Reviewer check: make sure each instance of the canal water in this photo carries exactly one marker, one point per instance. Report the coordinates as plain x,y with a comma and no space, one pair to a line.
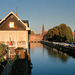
48,61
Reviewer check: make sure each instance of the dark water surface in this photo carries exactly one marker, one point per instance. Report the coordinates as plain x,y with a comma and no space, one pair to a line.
48,61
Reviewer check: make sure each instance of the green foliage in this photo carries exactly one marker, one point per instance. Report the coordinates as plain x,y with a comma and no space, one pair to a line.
50,33
2,51
60,33
2,47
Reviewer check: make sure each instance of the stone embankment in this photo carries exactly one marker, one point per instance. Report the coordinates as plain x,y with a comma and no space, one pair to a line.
63,48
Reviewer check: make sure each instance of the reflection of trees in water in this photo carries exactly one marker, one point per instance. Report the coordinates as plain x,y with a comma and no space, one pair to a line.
57,54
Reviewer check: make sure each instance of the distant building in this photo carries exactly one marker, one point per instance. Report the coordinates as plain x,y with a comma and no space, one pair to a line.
73,33
44,33
35,37
38,37
43,29
13,31
32,33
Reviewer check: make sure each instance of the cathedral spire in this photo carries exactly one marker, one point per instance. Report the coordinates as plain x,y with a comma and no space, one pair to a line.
42,28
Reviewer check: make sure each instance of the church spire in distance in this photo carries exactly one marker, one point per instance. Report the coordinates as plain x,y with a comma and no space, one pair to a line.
42,28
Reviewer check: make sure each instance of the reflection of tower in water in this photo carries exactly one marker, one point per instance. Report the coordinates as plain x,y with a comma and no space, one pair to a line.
43,49
34,45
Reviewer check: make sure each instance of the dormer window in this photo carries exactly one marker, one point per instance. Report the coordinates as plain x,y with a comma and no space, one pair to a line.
11,24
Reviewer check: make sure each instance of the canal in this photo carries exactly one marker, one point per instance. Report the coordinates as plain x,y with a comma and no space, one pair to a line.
49,61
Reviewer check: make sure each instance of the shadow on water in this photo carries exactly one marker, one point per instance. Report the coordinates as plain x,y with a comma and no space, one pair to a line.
2,65
22,63
52,52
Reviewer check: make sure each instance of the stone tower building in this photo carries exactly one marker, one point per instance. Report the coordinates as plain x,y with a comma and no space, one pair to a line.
42,29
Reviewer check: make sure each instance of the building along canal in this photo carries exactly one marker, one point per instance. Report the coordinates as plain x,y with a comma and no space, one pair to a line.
50,61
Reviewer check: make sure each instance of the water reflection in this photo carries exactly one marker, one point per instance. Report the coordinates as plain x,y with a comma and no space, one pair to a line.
52,52
49,61
34,45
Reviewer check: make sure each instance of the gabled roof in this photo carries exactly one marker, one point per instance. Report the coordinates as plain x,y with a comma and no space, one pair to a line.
27,28
26,21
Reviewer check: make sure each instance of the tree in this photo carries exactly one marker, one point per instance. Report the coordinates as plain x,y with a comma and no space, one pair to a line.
50,34
60,33
65,32
55,31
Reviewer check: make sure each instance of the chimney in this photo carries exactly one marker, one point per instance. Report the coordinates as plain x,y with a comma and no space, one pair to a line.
16,14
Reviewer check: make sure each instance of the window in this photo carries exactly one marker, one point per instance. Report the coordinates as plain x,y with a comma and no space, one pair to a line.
11,24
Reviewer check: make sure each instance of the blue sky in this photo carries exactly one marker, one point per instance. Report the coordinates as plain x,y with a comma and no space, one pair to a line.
48,12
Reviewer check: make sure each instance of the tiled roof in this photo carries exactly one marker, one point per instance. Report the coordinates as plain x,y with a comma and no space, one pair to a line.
21,21
25,21
73,33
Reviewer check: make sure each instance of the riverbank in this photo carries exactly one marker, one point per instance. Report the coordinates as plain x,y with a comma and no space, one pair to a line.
65,49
